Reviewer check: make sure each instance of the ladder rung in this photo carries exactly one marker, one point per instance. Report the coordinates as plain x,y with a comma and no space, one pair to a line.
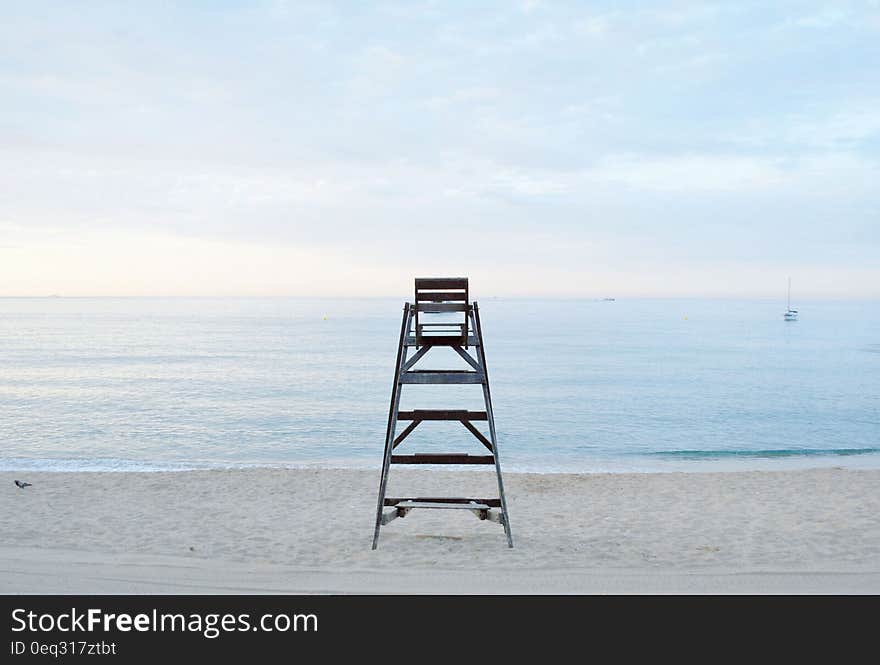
440,414
492,503
444,340
481,510
432,504
441,376
442,458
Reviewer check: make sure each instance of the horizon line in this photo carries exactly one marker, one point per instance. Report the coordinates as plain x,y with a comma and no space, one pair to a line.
399,296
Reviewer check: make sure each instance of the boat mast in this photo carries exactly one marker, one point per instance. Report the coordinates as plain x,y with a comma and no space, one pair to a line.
789,294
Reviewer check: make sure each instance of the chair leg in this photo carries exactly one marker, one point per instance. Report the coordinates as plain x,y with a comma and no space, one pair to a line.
392,422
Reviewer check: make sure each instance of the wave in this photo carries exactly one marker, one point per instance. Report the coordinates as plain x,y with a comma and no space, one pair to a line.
788,452
105,464
634,462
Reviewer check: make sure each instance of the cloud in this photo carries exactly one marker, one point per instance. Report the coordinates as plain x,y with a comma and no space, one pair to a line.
554,133
845,128
826,18
688,173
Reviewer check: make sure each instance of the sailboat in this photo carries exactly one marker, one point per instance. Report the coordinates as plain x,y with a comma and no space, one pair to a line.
790,314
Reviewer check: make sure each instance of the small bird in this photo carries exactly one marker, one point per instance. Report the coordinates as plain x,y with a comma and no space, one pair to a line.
20,485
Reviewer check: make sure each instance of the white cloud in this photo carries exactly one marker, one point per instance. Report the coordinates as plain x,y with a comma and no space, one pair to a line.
593,26
827,18
302,133
846,126
689,172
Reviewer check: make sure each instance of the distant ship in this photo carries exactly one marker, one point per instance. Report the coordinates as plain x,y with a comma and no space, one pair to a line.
790,314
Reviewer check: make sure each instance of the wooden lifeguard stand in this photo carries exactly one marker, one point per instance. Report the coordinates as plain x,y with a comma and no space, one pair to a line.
459,329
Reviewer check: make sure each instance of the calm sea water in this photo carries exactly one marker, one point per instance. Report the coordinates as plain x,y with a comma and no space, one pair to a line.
578,385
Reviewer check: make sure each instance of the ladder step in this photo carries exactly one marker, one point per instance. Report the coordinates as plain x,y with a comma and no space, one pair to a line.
492,503
441,414
436,376
441,340
432,504
482,510
442,458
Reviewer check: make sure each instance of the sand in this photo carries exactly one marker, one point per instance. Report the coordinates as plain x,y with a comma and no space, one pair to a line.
309,531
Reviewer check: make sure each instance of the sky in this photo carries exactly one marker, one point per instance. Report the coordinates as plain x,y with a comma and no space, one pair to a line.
565,149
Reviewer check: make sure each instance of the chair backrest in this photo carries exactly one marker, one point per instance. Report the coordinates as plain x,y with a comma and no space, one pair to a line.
442,295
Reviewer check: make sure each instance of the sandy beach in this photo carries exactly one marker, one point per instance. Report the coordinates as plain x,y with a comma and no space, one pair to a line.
308,531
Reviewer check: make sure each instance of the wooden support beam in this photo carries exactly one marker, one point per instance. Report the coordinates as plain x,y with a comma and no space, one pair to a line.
445,505
434,376
442,458
477,433
405,433
416,358
441,307
435,283
392,420
467,358
440,296
492,503
441,414
437,340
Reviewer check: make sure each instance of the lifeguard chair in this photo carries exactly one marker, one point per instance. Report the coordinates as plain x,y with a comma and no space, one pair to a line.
441,315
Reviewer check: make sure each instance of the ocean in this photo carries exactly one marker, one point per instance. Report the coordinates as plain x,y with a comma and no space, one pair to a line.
145,384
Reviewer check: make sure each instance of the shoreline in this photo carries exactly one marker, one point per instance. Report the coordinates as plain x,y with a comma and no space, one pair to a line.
308,531
672,462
